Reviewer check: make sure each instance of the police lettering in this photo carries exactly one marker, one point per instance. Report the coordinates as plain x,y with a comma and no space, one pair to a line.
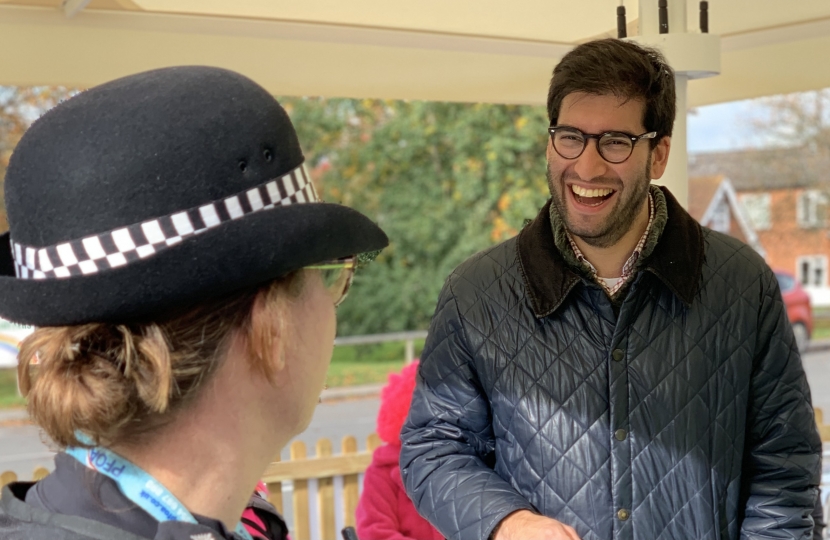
113,468
152,496
100,461
97,458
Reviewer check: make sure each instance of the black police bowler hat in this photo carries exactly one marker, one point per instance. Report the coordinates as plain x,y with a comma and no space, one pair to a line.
156,191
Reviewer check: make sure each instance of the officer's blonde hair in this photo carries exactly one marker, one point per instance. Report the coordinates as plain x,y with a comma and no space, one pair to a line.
116,382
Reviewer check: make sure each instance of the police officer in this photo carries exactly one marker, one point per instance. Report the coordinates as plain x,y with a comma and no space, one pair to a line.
168,243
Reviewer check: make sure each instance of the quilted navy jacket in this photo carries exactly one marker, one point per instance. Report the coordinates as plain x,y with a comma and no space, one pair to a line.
683,414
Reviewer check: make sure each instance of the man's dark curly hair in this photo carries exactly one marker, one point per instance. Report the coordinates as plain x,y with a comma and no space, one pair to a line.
623,69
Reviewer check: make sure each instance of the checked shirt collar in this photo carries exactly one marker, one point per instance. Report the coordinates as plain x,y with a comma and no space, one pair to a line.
630,264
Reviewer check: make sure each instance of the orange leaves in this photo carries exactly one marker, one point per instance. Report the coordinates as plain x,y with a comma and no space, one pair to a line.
501,230
504,202
19,107
474,164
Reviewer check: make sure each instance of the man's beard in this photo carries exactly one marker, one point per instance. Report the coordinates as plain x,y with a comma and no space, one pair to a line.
621,217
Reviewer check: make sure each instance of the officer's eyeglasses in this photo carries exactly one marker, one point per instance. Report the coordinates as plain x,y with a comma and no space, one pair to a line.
613,146
337,277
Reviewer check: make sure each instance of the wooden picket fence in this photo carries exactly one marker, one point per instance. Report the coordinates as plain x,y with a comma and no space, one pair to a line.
823,429
323,468
8,477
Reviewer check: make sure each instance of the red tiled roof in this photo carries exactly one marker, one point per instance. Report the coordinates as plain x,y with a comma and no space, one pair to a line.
765,169
701,191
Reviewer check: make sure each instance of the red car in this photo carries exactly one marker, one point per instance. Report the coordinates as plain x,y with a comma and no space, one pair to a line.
798,307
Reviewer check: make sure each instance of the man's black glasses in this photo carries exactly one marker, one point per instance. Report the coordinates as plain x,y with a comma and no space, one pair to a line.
613,146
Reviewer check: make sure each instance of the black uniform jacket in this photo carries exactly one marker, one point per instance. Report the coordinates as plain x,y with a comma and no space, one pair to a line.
77,503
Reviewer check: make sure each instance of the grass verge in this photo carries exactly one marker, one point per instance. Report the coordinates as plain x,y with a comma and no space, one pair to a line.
8,390
365,364
821,332
347,374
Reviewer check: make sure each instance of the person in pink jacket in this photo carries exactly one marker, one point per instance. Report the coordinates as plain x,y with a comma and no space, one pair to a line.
384,511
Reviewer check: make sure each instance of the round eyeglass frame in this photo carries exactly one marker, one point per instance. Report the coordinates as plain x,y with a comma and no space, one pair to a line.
337,277
598,136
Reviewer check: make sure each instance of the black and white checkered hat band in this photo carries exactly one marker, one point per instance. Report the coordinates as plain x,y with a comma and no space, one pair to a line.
128,244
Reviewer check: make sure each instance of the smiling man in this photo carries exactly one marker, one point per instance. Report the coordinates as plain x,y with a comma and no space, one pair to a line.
616,370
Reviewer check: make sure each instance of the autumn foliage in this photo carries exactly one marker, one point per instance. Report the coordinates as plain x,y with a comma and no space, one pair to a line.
444,180
19,107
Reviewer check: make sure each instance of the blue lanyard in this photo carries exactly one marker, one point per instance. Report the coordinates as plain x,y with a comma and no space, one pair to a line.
140,487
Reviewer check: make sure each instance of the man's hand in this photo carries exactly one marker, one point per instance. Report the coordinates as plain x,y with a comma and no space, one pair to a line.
524,524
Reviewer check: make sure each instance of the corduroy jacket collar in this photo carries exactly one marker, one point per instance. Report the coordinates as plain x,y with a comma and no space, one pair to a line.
677,259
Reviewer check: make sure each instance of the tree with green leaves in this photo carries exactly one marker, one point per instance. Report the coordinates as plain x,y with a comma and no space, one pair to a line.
445,180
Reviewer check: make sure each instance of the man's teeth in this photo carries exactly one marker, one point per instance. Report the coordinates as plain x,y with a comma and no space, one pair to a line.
582,192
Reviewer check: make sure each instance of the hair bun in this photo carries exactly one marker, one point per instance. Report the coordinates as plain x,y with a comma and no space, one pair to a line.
94,378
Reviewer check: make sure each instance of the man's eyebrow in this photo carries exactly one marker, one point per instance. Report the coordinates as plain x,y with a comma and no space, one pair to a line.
636,131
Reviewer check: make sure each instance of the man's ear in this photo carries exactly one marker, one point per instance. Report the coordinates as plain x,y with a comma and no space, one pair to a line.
660,157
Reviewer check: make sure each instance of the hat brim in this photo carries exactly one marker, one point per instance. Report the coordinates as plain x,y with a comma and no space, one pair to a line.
234,256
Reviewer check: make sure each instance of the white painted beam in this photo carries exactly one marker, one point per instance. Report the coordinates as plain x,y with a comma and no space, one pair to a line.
73,7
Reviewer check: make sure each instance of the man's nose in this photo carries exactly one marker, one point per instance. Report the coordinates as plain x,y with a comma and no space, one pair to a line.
590,164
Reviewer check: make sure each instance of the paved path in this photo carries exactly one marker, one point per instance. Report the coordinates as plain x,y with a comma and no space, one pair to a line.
22,450
334,420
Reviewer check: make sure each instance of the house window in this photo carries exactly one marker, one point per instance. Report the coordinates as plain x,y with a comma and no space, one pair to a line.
811,209
757,206
721,217
812,271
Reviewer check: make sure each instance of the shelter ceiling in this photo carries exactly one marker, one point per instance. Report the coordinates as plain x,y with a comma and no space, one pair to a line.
487,50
